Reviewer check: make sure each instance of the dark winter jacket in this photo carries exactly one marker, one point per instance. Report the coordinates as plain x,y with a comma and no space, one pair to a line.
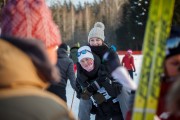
65,65
22,79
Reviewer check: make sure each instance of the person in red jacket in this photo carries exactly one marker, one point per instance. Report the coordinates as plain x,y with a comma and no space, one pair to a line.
171,71
128,62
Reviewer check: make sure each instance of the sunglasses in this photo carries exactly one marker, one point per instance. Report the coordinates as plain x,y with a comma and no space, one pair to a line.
82,52
173,43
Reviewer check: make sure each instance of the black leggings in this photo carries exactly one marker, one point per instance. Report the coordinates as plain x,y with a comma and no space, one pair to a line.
108,110
131,73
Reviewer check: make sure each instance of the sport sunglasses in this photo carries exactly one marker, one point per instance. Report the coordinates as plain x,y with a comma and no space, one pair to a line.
173,43
82,52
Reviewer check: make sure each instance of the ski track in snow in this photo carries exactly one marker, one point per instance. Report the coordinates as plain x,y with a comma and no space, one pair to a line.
75,102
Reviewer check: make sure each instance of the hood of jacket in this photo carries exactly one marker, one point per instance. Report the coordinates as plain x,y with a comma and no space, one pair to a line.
17,69
62,53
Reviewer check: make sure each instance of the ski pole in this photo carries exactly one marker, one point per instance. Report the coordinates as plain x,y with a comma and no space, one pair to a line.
72,99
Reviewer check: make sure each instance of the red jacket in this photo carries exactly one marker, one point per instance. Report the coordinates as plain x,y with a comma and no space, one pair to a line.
161,108
128,62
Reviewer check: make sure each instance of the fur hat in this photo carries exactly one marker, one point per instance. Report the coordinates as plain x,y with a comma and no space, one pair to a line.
30,19
97,31
84,52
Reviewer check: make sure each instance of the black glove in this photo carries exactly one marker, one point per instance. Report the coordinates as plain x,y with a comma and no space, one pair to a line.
78,90
99,98
86,94
113,88
111,59
78,94
93,87
134,70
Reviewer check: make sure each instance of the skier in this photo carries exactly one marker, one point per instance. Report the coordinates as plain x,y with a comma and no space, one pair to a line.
171,70
128,62
65,66
97,86
28,47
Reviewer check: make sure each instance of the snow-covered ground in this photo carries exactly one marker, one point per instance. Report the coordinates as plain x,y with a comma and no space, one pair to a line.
75,102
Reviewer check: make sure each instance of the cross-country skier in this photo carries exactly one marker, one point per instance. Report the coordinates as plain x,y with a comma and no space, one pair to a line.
98,86
128,62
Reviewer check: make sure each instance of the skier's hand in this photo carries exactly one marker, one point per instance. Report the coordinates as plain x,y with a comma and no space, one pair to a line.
86,94
99,98
78,90
93,87
78,94
134,70
111,60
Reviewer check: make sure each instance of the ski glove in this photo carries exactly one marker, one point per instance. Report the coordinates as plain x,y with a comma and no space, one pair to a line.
111,60
93,87
78,90
86,94
78,93
113,88
99,98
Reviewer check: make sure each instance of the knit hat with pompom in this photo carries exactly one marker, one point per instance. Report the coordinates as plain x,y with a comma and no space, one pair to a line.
97,31
30,19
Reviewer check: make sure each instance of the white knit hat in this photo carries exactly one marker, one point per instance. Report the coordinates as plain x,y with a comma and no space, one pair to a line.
86,54
97,31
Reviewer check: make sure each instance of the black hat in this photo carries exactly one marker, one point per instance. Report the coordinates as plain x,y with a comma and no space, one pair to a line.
64,46
173,43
